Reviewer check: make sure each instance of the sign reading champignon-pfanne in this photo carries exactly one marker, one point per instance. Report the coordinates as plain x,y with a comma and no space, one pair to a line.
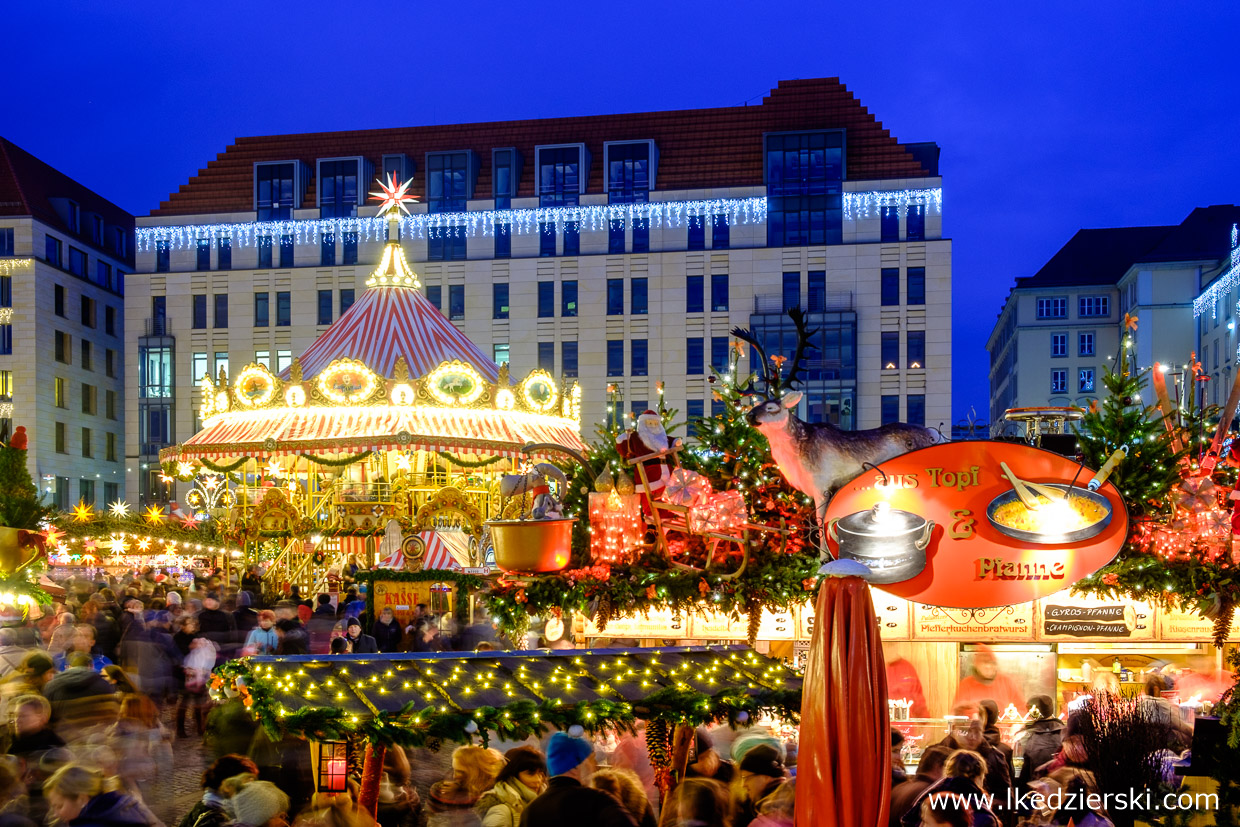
943,526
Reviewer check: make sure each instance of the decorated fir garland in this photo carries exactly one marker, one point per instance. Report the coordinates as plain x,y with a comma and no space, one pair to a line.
226,468
465,463
337,463
466,584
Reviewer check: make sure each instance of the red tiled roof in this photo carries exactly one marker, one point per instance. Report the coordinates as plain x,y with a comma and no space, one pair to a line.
698,148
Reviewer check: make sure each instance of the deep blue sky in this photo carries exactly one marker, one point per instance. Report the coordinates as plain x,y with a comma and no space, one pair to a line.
1051,116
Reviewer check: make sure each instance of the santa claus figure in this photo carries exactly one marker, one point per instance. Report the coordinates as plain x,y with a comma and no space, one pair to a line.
649,437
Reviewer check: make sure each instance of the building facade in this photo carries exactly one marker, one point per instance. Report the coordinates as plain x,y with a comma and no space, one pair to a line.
1061,329
65,252
619,250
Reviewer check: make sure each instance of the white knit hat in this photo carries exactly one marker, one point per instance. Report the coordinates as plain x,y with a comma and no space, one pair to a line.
258,802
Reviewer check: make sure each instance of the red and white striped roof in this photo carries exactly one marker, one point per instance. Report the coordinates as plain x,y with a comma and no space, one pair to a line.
386,323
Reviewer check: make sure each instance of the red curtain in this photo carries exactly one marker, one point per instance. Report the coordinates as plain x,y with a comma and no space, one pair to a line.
844,755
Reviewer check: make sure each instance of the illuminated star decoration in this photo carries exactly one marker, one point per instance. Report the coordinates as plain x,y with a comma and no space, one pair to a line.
275,469
167,478
392,196
90,545
190,521
53,535
185,469
154,515
120,509
1130,321
118,545
403,463
83,512
144,544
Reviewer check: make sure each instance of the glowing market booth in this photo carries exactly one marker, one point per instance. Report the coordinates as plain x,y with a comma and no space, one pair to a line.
386,439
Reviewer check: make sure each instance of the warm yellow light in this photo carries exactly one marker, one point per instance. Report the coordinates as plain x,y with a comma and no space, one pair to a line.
505,400
255,386
154,515
347,381
402,394
295,396
455,382
538,391
83,512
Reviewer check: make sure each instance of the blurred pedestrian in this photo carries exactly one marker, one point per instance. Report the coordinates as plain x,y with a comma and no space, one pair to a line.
704,760
84,642
262,639
245,617
218,626
701,802
11,653
387,631
626,787
214,810
474,770
260,804
929,771
567,800
523,777
78,797
359,643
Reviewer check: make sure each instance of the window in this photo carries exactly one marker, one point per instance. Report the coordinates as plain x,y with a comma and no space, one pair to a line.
109,404
87,361
890,286
349,253
916,225
572,238
720,233
502,353
615,297
120,242
199,367
199,315
111,492
638,297
717,407
325,307
792,290
159,314
890,409
628,172
221,362
1094,306
694,357
263,357
916,403
694,294
6,241
284,308
60,439
505,173
274,188
77,262
697,233
204,254
60,393
6,340
58,300
615,236
221,310
803,184
62,493
695,410
568,359
641,235
889,219
499,300
397,164
719,353
456,301
817,291
891,350
916,349
638,358
223,253
337,188
1053,308
110,448
559,175
546,356
89,399
103,274
262,315
615,357
546,239
568,298
434,295
346,299
1086,380
286,251
1085,344
155,373
86,489
1059,345
263,242
6,291
503,241
88,448
327,250
449,186
109,320
52,248
96,229
719,300
63,347
546,299
284,360
916,286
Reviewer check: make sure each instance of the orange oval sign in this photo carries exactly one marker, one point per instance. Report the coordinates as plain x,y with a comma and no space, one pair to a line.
969,561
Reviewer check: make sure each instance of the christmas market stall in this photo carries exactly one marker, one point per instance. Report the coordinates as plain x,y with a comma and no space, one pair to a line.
384,442
344,704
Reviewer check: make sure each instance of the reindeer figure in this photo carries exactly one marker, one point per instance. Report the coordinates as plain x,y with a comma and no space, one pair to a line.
819,458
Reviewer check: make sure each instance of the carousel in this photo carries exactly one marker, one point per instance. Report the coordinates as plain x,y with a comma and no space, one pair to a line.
385,441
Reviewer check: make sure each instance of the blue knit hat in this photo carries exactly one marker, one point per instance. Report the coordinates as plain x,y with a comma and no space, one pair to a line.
565,753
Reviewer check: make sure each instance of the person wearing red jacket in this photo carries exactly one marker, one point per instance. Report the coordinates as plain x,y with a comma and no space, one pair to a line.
987,682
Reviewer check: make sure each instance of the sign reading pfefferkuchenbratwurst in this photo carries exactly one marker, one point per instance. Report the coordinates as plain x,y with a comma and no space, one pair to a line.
943,526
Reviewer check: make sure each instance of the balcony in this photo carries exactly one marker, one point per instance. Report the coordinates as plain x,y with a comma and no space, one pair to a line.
157,326
773,303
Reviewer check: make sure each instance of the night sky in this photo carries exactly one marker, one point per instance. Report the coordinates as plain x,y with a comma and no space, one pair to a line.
1051,116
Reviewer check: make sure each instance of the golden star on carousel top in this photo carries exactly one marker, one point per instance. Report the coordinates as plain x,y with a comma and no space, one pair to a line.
154,515
119,509
83,512
393,195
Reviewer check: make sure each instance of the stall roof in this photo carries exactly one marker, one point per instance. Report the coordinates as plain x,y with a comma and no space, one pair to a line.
410,698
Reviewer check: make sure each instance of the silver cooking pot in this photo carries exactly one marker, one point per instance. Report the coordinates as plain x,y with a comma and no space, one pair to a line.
890,542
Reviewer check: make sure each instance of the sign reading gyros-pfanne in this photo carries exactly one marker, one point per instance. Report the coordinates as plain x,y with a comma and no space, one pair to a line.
944,526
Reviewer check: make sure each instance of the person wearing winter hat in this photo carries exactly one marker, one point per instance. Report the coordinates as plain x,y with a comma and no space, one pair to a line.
214,808
260,804
567,800
704,760
363,644
762,773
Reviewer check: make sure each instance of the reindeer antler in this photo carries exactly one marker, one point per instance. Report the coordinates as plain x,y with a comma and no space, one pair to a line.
803,333
772,384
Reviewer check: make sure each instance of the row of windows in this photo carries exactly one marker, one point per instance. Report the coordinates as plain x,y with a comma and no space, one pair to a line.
914,409
915,223
88,307
86,493
262,308
201,364
915,350
265,247
1084,380
1088,307
64,354
90,397
638,294
78,264
914,286
88,443
1084,344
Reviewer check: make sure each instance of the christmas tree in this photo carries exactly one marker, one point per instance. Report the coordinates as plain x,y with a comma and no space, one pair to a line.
20,503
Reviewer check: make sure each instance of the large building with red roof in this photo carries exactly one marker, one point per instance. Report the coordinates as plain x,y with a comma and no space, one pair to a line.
65,251
617,250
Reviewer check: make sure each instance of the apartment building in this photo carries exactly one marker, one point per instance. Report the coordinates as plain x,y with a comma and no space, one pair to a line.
1062,328
1217,307
619,250
65,252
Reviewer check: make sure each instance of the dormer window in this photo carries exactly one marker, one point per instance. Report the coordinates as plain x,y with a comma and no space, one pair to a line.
505,174
338,190
450,180
74,216
562,173
399,164
630,170
278,187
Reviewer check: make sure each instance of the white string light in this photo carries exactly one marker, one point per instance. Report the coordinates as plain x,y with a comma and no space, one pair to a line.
860,204
1224,283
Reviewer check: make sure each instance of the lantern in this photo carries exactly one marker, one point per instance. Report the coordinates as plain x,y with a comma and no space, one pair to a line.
333,763
616,527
